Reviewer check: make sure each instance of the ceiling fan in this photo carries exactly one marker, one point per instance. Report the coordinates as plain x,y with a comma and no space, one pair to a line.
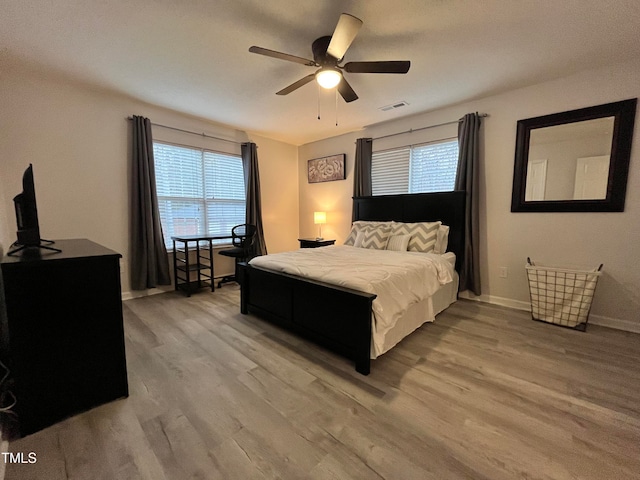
328,52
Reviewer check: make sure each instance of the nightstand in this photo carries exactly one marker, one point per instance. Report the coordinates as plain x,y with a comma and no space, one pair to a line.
314,243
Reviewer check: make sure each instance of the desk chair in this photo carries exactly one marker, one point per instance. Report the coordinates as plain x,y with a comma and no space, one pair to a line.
242,238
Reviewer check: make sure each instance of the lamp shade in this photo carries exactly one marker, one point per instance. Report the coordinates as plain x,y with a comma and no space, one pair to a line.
319,217
328,77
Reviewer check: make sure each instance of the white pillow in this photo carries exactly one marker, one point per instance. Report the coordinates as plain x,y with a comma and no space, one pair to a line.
398,243
442,241
423,235
375,238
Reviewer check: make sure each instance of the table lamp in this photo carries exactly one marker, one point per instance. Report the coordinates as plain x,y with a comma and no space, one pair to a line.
319,218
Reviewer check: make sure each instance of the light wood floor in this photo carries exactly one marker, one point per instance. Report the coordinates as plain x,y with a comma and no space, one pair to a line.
485,393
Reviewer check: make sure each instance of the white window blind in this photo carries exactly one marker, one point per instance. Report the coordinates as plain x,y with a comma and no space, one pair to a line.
390,171
417,169
199,191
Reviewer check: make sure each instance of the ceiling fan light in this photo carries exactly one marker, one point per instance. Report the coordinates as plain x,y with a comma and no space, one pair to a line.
328,78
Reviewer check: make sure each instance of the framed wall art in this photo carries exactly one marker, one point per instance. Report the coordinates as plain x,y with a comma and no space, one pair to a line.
326,169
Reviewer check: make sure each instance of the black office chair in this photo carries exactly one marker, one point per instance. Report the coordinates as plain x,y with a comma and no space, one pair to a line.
243,239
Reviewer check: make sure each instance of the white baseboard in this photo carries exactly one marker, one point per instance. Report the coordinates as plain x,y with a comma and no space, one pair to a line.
505,302
617,323
145,293
155,291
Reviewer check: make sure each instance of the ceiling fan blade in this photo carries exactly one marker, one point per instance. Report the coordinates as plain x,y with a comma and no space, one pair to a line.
282,56
346,30
400,66
346,91
296,85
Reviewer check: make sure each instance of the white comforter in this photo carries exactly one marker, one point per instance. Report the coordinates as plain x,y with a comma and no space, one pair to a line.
399,279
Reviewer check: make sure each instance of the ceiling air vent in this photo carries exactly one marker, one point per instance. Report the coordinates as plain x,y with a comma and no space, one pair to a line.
393,106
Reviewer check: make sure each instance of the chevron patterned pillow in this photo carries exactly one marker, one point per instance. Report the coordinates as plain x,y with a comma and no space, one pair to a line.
359,225
373,238
423,235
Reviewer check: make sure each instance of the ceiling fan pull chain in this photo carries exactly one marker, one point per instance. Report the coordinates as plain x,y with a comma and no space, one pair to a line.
318,102
336,107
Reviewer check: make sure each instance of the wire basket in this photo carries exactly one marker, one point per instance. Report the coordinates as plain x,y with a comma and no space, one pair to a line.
561,296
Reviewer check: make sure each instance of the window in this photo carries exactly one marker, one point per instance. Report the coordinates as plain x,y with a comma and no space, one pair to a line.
417,169
199,191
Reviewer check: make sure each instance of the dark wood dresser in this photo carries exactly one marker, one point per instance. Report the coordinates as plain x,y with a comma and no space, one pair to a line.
65,327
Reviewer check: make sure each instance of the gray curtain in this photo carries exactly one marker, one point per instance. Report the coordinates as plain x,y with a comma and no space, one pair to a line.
362,169
252,187
467,180
149,264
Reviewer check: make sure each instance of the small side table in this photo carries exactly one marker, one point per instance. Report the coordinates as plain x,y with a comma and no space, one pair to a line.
314,243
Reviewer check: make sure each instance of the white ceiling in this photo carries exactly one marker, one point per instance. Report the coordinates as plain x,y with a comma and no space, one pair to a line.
192,55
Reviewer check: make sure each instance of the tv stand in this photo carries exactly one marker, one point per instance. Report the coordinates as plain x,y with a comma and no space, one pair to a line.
38,245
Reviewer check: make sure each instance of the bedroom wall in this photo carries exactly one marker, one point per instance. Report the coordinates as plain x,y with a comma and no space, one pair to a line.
507,239
79,143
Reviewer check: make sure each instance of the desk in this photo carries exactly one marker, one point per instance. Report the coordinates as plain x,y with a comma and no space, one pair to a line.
201,266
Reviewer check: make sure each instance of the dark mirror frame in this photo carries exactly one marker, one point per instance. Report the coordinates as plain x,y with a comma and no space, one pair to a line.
624,113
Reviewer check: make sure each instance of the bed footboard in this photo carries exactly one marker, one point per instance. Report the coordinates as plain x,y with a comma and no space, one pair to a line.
335,317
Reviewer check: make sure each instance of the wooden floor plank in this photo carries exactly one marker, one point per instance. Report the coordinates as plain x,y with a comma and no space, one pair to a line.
483,393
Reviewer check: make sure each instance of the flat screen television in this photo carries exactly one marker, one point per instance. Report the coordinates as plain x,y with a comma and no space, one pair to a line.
27,217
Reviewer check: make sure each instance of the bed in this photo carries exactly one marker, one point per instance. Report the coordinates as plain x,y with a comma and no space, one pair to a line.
339,316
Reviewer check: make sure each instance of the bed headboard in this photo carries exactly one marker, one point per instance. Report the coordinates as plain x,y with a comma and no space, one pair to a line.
448,207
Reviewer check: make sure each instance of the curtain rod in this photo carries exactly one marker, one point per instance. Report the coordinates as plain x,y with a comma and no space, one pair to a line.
192,133
481,115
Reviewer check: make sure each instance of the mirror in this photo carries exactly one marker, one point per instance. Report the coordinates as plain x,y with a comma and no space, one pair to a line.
575,161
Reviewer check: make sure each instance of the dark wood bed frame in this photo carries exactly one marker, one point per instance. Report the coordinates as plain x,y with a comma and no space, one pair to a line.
336,317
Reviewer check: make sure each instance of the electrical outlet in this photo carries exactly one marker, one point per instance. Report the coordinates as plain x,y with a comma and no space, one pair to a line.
503,272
